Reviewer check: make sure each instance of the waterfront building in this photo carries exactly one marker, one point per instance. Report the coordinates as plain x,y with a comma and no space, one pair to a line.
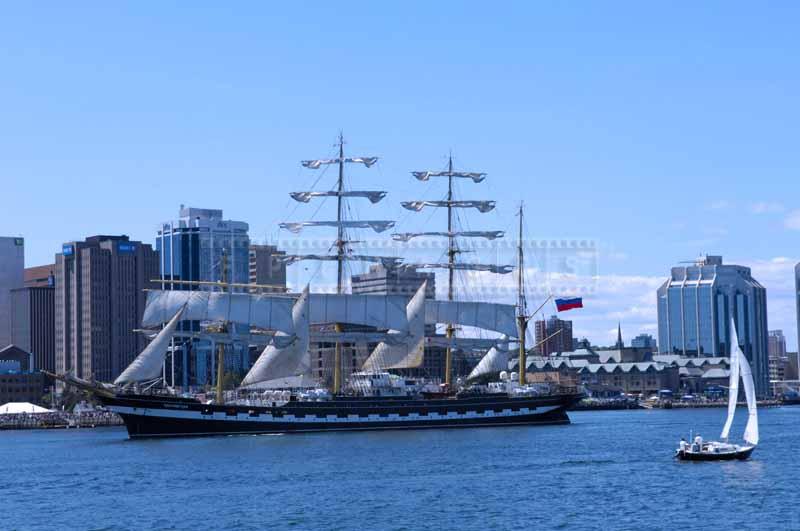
191,248
33,319
560,342
695,306
396,281
99,302
18,381
644,341
266,268
12,265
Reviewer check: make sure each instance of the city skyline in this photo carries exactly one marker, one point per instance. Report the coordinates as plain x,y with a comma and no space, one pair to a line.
663,107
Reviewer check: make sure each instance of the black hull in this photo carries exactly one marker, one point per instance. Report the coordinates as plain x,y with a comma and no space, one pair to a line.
151,416
739,455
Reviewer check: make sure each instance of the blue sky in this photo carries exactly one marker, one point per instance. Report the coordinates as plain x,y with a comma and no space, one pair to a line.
659,131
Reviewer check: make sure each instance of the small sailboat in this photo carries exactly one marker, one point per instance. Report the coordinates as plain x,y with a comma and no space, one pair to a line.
700,450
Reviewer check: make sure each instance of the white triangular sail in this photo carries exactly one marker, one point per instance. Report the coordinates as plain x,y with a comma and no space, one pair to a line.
751,429
494,361
292,360
407,354
733,382
148,364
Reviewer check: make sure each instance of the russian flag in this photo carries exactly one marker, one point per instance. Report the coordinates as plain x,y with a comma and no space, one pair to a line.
563,305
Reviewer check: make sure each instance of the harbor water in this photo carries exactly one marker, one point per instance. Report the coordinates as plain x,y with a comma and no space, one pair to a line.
608,470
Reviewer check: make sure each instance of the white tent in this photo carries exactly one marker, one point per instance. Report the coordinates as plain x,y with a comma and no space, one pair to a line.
13,408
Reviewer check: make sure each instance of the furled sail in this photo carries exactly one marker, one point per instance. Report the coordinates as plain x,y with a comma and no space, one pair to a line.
384,312
407,354
488,234
499,269
733,381
425,175
316,164
462,343
481,206
292,360
305,197
377,226
751,429
148,363
494,361
388,262
500,318
265,311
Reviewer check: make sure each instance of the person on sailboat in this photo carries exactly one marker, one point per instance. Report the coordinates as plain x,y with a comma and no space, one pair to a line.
683,445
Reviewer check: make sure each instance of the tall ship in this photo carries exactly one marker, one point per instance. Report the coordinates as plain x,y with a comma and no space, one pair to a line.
280,394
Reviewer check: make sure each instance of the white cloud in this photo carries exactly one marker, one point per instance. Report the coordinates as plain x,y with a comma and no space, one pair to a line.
792,220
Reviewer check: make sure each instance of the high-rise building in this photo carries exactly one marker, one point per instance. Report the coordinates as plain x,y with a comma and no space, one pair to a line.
99,302
191,249
776,344
266,267
643,341
33,320
12,264
398,281
553,336
695,306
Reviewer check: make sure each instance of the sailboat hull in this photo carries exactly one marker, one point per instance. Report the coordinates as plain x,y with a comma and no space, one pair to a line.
739,454
152,416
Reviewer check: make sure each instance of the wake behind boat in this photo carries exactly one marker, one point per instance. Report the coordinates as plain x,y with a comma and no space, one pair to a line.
700,450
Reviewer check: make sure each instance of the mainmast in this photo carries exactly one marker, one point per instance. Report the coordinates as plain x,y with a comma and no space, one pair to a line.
223,330
452,234
343,252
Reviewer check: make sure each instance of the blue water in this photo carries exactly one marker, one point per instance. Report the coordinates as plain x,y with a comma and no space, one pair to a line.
608,470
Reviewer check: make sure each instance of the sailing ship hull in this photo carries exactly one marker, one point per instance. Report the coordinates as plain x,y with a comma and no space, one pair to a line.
152,416
740,455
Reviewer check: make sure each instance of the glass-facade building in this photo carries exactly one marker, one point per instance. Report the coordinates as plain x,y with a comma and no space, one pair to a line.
695,306
191,248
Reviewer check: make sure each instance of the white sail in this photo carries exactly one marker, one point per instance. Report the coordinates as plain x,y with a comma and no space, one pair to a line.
377,226
462,343
751,429
305,197
292,360
500,318
733,381
387,261
148,363
265,311
499,269
494,361
384,312
488,234
481,206
425,175
409,353
316,164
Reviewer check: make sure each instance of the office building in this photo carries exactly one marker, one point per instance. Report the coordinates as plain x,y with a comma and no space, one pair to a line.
644,341
776,344
99,302
267,268
695,306
12,265
553,336
191,249
18,381
33,320
397,281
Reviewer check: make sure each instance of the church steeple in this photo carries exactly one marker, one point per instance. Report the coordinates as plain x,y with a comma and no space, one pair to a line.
620,343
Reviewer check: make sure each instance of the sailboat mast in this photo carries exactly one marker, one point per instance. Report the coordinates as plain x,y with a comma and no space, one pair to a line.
522,319
221,346
451,256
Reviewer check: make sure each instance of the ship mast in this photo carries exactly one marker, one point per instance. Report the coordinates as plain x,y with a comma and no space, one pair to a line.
342,250
452,234
223,330
522,318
